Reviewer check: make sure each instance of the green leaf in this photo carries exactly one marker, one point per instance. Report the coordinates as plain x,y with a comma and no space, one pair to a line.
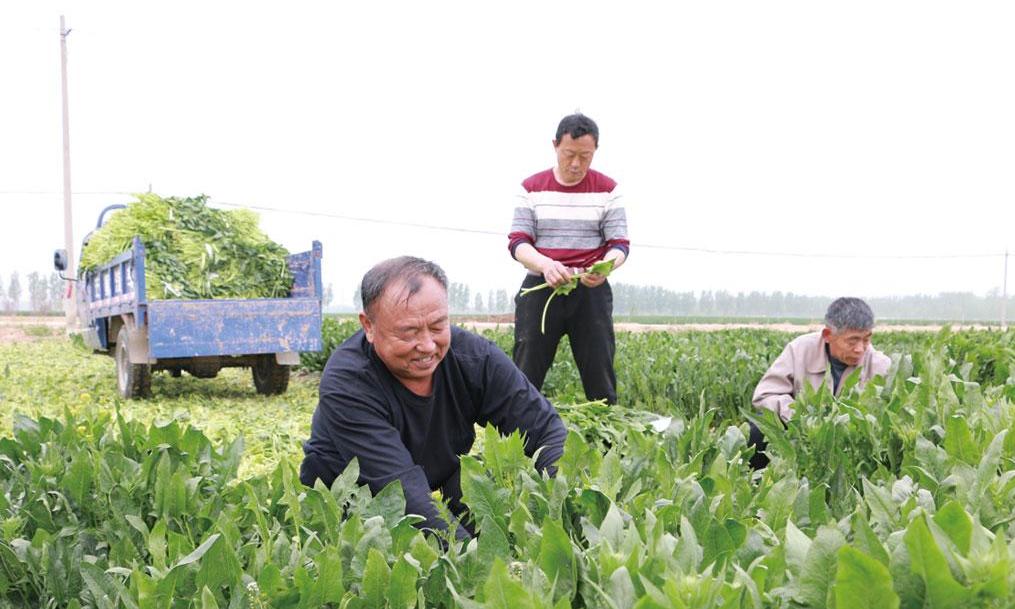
483,496
578,457
270,580
423,553
594,504
389,504
647,602
219,566
208,599
818,508
504,456
866,540
862,582
78,479
986,469
603,267
198,552
884,510
157,544
957,524
621,588
721,540
611,475
327,586
556,559
493,543
402,587
100,585
502,592
689,552
959,441
403,533
375,579
797,546
927,561
138,524
611,528
819,569
345,483
778,502
145,588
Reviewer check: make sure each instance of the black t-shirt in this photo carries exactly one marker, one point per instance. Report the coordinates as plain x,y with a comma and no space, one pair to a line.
366,412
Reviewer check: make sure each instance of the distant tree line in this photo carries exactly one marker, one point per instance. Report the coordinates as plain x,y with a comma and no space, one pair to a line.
654,300
44,293
639,300
462,299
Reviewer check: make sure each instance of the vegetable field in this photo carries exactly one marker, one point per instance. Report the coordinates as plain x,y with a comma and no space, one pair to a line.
902,495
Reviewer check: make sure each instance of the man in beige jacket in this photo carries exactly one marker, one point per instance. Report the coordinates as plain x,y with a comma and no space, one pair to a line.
842,346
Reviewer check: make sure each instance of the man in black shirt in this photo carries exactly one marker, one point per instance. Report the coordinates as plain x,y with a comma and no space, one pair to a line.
403,394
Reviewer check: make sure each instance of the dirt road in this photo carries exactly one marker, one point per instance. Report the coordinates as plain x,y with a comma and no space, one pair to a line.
18,329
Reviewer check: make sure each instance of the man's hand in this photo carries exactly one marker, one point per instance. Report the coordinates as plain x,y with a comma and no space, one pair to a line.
555,273
593,280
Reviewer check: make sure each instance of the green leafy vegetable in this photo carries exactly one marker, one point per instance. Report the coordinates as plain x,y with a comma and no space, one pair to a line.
603,267
192,250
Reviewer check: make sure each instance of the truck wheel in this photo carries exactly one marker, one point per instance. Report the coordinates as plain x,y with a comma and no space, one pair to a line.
133,380
270,377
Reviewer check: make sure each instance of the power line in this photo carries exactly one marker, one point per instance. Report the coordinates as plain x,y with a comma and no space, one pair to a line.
478,231
703,250
456,229
677,248
54,193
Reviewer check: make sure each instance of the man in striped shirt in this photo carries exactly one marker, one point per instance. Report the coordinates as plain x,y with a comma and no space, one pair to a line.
566,219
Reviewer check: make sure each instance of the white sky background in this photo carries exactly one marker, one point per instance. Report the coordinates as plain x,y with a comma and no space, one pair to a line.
884,128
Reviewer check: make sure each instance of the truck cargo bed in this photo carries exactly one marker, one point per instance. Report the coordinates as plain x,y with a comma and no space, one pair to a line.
195,328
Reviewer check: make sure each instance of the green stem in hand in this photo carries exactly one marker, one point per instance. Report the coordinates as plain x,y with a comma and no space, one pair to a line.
546,307
602,267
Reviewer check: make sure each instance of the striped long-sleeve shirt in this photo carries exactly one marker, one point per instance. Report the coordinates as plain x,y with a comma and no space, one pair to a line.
575,225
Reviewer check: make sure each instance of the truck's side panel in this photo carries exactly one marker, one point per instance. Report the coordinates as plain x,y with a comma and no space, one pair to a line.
306,270
140,287
110,289
194,328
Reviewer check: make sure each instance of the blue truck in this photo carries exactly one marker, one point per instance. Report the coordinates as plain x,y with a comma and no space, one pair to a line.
197,336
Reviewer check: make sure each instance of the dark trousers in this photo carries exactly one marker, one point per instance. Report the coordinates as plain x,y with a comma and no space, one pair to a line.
586,317
759,459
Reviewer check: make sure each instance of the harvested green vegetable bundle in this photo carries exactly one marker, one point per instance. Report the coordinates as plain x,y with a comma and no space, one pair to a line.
603,267
194,251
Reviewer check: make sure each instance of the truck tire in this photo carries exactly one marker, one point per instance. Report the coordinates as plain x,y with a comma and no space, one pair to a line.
134,381
270,377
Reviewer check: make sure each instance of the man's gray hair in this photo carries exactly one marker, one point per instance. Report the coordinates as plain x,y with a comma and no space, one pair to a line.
409,269
849,314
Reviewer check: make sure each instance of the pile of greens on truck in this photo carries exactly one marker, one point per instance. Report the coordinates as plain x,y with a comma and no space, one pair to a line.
194,251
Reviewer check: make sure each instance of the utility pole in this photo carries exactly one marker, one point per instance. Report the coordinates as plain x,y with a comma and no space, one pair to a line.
1004,294
70,300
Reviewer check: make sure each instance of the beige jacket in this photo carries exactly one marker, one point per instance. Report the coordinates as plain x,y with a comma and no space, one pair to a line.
803,359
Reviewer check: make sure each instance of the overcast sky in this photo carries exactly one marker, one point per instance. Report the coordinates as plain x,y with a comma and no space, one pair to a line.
812,128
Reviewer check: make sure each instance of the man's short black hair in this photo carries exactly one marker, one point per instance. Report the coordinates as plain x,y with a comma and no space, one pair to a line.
406,268
577,125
